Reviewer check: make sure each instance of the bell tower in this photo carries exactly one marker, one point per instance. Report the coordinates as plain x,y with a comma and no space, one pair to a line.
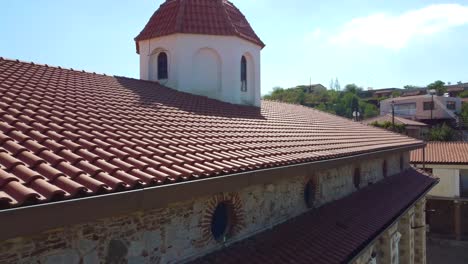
204,47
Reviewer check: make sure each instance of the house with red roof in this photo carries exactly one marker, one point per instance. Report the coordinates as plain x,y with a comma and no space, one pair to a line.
447,203
187,164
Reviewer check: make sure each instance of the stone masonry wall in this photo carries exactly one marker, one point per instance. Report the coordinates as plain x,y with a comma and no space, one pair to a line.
411,247
182,230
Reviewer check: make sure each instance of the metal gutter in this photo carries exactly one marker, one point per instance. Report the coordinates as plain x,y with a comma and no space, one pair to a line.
357,253
17,221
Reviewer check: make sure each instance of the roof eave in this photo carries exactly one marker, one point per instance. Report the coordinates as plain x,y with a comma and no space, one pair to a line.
16,221
358,252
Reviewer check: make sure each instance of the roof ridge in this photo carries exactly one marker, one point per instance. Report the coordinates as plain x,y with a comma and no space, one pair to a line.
54,66
180,15
310,108
230,24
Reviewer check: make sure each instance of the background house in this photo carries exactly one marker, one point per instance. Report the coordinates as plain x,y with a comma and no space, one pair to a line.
414,91
447,203
384,92
454,90
427,108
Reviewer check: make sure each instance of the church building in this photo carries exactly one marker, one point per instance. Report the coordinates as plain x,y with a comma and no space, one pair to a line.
188,165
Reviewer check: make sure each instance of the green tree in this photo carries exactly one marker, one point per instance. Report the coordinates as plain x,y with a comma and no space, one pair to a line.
441,133
337,85
439,86
341,103
349,103
464,115
410,87
369,110
352,88
400,128
396,94
463,94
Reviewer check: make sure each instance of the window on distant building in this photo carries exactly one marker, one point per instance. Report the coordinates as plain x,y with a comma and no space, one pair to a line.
162,66
243,74
384,168
405,109
428,106
309,194
357,178
464,183
451,105
221,221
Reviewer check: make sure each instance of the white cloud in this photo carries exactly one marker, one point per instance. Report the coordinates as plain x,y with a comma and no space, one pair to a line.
395,32
314,35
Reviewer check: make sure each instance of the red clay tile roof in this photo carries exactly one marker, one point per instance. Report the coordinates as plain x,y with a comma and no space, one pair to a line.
442,152
335,232
208,17
66,134
398,120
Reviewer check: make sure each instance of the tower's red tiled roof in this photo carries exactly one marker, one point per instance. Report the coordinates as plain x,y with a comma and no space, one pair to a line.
208,17
66,134
442,152
335,232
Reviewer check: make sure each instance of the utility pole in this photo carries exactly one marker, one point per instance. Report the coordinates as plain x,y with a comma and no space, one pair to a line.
432,92
310,84
432,105
393,115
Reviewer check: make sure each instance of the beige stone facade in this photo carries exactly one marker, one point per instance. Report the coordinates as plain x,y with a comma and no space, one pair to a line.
181,231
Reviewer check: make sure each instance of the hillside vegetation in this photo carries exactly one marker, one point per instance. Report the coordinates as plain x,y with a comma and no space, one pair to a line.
341,103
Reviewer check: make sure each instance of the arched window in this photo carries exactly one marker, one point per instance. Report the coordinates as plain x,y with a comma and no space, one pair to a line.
220,221
402,163
162,66
357,178
384,168
309,194
243,74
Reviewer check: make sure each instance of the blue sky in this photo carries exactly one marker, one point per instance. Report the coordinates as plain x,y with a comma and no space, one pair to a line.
372,43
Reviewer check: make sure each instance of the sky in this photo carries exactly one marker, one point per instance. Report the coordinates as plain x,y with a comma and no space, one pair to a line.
372,43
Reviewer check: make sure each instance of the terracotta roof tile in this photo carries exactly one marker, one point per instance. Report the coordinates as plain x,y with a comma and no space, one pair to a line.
333,233
443,153
206,17
119,133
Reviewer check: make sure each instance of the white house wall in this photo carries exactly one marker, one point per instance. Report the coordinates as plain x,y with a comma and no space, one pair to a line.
187,72
449,185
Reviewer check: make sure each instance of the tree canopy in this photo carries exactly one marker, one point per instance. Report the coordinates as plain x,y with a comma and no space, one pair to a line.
438,86
342,103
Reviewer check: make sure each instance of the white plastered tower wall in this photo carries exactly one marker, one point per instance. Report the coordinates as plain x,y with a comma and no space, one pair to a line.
205,65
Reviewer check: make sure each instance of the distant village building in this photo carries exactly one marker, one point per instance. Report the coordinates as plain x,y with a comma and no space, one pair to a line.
412,128
423,107
385,92
455,90
315,88
447,204
414,91
187,164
